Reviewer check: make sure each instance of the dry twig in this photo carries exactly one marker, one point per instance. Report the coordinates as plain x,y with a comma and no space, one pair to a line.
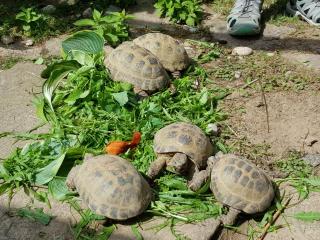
274,219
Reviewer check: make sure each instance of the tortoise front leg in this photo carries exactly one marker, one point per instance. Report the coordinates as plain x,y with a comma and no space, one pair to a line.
157,166
198,179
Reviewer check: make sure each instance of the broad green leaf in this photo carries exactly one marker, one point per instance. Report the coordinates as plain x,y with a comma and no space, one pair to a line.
39,61
58,189
84,22
3,171
76,94
86,41
50,171
82,58
96,15
57,72
204,97
190,21
121,97
307,216
39,105
36,215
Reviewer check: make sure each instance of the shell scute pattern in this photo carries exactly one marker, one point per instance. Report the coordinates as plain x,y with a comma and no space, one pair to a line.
112,187
133,64
238,183
184,138
168,50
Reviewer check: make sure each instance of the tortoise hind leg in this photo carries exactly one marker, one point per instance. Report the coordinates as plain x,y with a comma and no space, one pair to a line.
156,166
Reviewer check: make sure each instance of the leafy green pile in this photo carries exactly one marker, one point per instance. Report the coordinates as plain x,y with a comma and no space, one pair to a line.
180,11
86,109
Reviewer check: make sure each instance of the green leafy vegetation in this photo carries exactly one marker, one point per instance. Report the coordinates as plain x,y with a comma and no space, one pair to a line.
86,110
31,20
180,11
294,166
35,214
112,27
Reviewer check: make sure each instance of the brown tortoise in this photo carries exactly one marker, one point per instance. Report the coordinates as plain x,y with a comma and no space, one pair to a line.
110,186
170,52
133,64
237,183
182,148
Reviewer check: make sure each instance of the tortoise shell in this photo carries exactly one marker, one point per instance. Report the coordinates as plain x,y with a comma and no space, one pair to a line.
184,138
241,185
112,187
169,51
133,64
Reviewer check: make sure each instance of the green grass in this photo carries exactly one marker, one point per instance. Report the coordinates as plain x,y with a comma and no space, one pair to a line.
7,63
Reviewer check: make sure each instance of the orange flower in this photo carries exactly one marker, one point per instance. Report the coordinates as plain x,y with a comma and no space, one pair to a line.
118,147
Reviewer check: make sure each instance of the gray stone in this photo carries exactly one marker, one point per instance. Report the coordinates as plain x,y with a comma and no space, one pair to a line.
87,13
7,39
113,8
212,129
312,159
49,9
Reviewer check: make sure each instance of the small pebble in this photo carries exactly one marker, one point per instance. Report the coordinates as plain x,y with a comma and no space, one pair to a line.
29,42
49,9
242,51
212,129
312,159
237,74
87,13
270,54
190,29
7,39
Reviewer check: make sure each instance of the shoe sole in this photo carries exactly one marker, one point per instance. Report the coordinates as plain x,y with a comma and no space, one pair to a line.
295,12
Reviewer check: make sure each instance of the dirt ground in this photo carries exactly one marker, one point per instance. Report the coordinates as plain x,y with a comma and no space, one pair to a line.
293,119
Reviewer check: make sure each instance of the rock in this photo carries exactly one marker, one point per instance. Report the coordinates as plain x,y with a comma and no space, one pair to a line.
29,42
112,9
312,159
87,13
242,51
191,29
237,74
7,39
49,9
213,129
270,54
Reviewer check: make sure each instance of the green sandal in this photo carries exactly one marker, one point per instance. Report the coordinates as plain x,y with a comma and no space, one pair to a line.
244,19
309,10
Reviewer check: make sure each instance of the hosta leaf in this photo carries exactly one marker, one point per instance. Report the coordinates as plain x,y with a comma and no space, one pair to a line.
59,71
49,172
85,41
307,216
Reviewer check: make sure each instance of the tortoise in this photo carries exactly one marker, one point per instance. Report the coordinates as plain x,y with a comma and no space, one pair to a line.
182,148
170,52
110,186
133,64
239,184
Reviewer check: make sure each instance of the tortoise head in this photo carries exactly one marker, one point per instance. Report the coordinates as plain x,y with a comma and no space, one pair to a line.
70,182
179,163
